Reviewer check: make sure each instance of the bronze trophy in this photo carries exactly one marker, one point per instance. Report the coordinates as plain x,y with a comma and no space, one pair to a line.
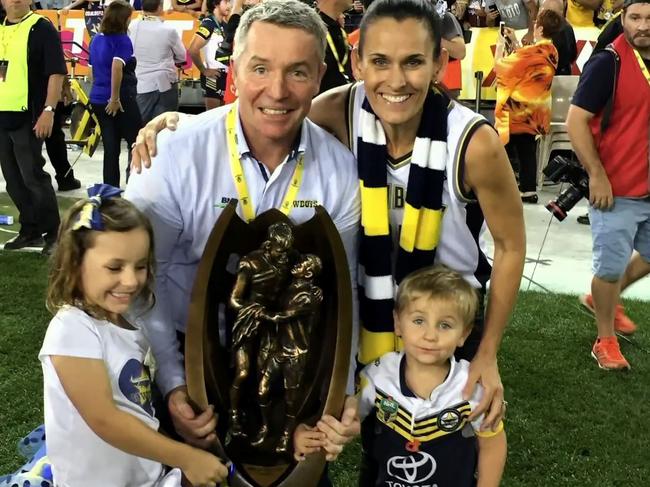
268,340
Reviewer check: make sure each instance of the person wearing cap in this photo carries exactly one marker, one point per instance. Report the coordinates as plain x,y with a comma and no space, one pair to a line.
608,126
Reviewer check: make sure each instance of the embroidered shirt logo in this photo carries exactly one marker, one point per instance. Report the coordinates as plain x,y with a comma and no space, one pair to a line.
305,203
449,420
388,408
224,202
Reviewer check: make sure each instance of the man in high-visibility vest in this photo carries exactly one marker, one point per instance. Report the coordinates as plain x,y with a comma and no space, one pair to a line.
32,69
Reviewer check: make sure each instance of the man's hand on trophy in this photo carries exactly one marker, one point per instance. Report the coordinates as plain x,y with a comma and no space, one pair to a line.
307,440
196,429
340,432
202,468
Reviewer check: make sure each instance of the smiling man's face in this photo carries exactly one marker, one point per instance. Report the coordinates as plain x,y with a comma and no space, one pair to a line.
276,77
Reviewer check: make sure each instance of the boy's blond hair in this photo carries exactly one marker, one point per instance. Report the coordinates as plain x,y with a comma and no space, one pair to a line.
439,282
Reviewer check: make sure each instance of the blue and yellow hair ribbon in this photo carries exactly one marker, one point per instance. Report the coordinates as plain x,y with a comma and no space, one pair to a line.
90,216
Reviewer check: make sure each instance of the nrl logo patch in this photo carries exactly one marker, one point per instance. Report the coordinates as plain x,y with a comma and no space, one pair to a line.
387,410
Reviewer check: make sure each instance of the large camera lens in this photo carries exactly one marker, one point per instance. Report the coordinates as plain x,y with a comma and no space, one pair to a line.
563,204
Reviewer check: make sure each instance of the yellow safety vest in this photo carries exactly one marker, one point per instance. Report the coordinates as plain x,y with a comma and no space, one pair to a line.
13,49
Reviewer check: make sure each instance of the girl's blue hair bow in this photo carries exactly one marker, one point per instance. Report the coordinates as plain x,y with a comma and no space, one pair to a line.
90,216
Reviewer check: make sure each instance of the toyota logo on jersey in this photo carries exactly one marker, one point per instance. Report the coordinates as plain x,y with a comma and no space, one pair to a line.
412,469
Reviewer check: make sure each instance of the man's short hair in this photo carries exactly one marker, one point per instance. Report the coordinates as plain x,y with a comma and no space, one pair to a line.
439,283
284,13
151,5
627,3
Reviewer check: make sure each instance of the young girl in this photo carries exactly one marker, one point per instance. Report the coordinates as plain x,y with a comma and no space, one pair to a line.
101,429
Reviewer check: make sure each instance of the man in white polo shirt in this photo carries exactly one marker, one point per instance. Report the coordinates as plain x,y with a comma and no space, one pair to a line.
158,48
191,179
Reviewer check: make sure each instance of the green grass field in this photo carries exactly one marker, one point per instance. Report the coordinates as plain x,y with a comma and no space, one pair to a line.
569,423
7,208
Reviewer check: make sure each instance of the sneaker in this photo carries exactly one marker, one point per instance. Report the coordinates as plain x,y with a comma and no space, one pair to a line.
22,240
68,184
622,323
608,354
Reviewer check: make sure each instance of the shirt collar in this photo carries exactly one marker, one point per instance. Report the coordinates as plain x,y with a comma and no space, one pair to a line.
298,147
151,18
406,390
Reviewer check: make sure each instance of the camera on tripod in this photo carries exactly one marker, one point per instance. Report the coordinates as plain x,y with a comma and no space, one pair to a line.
561,170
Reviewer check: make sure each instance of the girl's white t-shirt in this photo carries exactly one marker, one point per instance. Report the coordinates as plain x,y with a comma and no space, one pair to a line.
79,457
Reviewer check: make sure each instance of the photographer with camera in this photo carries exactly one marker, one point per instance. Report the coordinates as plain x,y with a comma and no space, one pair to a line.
608,125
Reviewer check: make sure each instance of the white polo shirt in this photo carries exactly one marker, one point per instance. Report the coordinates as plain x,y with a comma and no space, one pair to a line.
157,46
187,187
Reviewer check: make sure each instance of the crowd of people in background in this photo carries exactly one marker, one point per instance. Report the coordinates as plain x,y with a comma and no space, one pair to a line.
152,52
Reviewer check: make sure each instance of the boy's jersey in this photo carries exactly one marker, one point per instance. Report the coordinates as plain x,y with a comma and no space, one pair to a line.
416,442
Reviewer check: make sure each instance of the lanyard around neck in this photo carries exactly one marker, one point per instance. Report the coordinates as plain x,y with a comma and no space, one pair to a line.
335,53
240,180
644,68
5,41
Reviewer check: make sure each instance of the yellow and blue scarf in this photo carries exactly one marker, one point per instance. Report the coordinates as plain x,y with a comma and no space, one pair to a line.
421,223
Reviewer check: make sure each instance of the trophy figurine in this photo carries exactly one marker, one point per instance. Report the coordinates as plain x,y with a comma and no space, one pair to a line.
260,277
268,340
286,347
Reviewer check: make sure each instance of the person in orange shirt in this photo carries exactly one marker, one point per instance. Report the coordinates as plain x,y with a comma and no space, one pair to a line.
523,107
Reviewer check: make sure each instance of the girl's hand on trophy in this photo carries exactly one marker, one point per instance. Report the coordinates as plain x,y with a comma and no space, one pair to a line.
307,440
202,468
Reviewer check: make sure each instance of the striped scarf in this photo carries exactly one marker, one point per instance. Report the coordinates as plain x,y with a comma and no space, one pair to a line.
421,223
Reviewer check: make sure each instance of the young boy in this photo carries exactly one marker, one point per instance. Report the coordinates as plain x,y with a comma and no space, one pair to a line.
414,427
